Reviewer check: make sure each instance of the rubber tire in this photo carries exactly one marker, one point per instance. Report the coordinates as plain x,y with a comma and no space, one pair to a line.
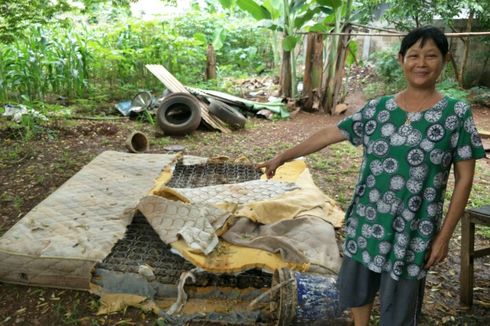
228,114
179,114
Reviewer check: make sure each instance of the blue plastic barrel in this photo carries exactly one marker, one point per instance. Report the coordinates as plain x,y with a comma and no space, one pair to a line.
305,298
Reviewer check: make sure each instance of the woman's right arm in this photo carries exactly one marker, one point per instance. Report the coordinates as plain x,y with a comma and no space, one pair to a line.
323,138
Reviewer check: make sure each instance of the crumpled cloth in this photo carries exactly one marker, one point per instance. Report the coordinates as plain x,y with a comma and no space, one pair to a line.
307,239
195,223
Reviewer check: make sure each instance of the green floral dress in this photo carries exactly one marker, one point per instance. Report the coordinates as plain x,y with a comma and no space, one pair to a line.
398,201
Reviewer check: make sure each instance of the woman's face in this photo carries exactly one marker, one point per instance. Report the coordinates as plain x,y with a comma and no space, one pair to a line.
422,65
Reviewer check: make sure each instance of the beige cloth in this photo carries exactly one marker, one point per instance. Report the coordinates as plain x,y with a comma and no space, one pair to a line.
306,239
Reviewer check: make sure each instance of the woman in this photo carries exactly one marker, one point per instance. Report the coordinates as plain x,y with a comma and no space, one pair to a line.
393,233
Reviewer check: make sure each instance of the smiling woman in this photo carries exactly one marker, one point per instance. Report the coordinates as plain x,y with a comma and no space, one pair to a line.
394,228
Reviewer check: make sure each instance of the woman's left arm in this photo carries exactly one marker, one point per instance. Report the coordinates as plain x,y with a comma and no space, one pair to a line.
463,177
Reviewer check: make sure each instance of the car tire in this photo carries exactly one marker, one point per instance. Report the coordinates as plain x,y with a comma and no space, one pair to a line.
228,114
179,114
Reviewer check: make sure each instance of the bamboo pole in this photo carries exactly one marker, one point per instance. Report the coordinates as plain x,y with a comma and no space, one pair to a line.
469,34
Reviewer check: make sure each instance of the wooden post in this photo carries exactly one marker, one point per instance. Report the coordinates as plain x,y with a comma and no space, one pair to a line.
211,63
467,248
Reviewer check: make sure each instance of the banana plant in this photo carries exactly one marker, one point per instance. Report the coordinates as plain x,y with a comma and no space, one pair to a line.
288,17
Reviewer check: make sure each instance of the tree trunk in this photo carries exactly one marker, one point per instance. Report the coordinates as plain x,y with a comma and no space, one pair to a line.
466,42
285,78
454,64
340,69
313,70
211,63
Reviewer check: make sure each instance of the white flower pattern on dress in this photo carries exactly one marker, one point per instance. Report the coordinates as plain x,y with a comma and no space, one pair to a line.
370,127
397,183
366,231
426,227
414,186
376,167
361,242
414,203
391,104
469,126
460,108
464,152
384,247
476,140
429,194
380,147
413,270
415,156
378,231
405,130
399,224
389,197
451,122
419,172
435,132
370,181
427,145
390,165
414,138
418,245
387,130
433,115
397,140
374,195
408,215
383,116
383,207
435,156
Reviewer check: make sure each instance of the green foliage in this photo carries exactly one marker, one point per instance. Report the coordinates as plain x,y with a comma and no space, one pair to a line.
259,12
450,88
17,15
107,61
41,62
405,15
480,95
245,50
389,72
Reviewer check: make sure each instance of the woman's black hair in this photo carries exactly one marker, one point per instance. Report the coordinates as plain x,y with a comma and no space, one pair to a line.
425,33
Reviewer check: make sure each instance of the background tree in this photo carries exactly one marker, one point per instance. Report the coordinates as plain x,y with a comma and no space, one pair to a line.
405,15
288,17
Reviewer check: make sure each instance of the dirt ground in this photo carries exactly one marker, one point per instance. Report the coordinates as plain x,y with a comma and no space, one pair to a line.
30,171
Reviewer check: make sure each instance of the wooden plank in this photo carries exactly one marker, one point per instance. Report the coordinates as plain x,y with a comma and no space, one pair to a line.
176,86
481,253
484,134
466,277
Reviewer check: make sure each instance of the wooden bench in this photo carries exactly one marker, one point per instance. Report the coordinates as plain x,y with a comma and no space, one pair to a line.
472,217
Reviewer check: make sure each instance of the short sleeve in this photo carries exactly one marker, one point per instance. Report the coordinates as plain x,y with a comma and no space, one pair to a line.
352,127
469,145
